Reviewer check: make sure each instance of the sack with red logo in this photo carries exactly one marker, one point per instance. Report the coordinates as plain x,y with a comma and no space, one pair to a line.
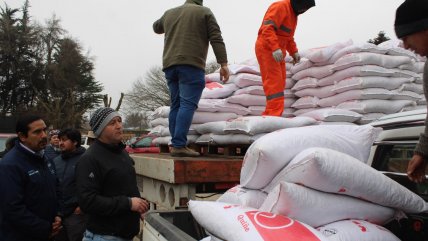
350,230
237,223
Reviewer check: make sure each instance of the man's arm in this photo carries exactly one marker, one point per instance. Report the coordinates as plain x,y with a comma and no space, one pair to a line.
158,26
13,207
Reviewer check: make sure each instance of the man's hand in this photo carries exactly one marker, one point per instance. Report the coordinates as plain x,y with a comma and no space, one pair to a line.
56,227
296,58
416,168
278,55
139,205
224,73
77,211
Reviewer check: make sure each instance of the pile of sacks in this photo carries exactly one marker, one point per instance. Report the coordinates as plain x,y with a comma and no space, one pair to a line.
344,82
365,78
309,183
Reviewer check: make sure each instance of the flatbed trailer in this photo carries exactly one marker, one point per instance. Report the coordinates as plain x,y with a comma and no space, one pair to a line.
170,182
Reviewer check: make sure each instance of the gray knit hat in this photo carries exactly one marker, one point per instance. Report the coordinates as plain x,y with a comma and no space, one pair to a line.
101,118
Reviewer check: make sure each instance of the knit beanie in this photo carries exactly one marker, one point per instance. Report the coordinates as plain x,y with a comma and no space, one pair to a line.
53,132
411,17
101,118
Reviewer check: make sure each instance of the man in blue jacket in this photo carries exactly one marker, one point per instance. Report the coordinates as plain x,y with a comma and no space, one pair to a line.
28,192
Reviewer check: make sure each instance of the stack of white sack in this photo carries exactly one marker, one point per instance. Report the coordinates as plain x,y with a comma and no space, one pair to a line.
315,175
249,92
364,78
159,126
245,130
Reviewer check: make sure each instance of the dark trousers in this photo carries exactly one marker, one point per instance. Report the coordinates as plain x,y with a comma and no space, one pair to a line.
73,228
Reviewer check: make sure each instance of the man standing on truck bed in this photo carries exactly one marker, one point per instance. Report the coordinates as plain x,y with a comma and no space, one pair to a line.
188,30
275,38
106,183
411,26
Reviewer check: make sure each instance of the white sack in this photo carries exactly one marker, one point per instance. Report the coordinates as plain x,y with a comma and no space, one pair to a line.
320,92
417,88
163,121
258,110
363,94
214,77
227,139
306,102
304,83
221,105
365,70
356,48
271,153
236,223
160,112
258,90
247,100
166,140
317,72
332,171
244,80
303,64
369,117
356,59
333,115
317,208
353,83
376,106
243,197
404,95
303,111
239,68
204,117
216,127
252,125
323,54
417,67
351,230
216,90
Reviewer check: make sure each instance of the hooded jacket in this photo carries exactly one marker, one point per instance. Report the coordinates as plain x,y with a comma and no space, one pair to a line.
65,166
188,30
28,199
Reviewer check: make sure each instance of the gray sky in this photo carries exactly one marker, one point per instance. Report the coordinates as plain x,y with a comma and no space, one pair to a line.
119,33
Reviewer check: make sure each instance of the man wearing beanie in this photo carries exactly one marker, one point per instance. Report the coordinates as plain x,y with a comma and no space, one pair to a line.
106,182
188,29
411,26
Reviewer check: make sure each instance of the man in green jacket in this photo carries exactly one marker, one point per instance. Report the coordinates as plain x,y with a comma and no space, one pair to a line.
188,30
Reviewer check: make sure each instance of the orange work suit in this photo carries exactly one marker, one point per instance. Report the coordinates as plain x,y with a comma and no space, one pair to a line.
276,32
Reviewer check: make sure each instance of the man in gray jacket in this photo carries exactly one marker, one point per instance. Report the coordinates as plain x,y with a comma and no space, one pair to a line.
411,26
188,30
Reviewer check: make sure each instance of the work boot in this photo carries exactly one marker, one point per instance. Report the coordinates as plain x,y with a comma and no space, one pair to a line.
183,152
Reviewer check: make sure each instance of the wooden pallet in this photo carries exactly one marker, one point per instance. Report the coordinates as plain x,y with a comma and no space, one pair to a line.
224,150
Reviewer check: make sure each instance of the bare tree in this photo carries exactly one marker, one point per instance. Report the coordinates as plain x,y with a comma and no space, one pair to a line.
149,93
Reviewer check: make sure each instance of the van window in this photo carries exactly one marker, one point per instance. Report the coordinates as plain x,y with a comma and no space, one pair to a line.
393,157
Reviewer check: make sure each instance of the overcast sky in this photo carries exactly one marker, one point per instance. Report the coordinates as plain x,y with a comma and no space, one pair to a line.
119,33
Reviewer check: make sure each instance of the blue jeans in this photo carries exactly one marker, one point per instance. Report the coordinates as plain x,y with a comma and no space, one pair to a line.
89,236
186,84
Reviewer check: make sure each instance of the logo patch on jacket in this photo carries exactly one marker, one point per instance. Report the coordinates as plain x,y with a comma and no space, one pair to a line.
91,175
32,172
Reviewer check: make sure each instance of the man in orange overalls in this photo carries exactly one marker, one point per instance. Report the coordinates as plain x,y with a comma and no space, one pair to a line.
275,37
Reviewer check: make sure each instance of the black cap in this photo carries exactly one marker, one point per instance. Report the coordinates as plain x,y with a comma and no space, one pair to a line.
411,17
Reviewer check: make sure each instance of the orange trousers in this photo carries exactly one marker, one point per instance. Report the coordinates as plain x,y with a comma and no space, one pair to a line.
273,77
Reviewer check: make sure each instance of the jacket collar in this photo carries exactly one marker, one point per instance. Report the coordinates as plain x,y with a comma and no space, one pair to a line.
197,2
66,155
117,148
